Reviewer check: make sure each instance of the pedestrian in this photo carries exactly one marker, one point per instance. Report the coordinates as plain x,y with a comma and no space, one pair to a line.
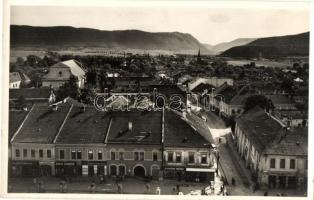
178,188
147,188
61,187
225,192
65,188
233,181
158,190
119,188
265,193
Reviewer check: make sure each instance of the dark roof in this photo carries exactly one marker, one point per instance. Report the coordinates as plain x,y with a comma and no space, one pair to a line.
14,77
290,142
42,125
146,127
34,93
201,87
259,127
280,99
227,91
292,114
16,117
84,127
178,133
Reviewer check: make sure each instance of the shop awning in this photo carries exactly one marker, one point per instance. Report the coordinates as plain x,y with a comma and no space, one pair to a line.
200,170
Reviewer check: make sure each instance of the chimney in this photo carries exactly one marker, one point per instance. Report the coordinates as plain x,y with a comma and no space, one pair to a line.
130,126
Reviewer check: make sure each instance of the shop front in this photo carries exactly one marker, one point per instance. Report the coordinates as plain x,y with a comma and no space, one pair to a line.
93,168
25,168
174,173
67,169
200,174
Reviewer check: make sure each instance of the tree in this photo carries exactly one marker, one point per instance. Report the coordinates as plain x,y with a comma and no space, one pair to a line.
258,100
69,89
87,95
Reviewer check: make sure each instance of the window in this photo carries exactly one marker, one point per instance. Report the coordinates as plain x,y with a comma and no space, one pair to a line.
136,156
73,155
24,153
170,157
272,163
121,156
282,163
33,153
191,157
41,153
141,155
113,155
48,153
155,156
61,154
17,152
178,157
90,155
99,155
79,155
292,163
204,159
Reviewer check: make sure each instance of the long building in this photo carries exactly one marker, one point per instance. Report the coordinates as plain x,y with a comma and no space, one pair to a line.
277,156
68,140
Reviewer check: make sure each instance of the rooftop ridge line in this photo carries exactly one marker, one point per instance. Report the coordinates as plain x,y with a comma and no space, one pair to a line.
108,129
21,125
62,125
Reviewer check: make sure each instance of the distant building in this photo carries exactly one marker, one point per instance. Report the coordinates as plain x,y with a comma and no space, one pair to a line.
292,118
15,80
216,82
276,156
282,102
61,72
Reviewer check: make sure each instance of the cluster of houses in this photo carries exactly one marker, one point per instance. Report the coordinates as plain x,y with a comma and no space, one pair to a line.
68,139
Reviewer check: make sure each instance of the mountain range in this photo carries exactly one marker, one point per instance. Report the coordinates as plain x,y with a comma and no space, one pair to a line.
221,47
66,36
289,45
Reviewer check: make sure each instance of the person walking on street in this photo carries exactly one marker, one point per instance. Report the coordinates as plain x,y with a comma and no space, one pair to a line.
233,181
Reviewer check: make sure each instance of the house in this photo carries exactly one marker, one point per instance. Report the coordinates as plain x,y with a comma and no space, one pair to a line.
69,140
275,155
282,102
292,118
15,80
216,82
30,96
61,72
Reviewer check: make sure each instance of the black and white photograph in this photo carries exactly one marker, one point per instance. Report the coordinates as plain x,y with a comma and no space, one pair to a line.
198,99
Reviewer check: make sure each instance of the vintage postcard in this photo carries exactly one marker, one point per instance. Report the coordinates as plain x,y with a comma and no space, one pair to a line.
145,98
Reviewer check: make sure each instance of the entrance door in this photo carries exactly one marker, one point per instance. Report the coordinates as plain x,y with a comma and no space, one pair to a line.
90,170
272,181
139,171
121,170
292,182
113,170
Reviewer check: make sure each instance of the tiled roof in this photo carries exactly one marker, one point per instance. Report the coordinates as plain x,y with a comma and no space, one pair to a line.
259,127
146,127
290,142
279,99
42,125
34,93
67,68
201,87
84,127
16,117
178,133
14,77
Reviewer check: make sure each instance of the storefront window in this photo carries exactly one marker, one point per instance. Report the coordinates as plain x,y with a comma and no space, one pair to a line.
48,153
90,155
204,159
41,153
17,153
24,153
99,155
79,155
191,157
178,157
73,155
113,155
121,156
61,154
155,156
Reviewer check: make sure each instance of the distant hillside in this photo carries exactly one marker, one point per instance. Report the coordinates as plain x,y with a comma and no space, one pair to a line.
290,45
221,47
65,36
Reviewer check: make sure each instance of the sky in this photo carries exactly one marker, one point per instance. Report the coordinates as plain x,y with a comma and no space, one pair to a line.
209,25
